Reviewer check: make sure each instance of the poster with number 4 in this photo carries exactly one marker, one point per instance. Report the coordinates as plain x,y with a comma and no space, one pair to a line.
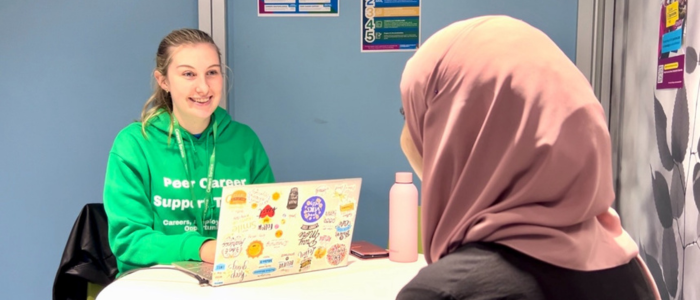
390,25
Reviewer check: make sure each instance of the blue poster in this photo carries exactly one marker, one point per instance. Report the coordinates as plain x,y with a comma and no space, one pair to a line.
672,41
309,8
390,25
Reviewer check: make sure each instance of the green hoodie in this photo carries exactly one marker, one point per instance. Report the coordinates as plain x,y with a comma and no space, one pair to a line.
148,195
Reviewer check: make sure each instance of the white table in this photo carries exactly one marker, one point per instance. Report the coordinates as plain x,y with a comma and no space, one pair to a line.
361,279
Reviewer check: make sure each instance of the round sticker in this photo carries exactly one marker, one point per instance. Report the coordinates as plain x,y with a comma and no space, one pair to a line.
313,208
336,254
255,249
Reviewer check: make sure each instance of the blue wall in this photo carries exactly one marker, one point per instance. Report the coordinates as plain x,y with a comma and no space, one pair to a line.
324,110
72,74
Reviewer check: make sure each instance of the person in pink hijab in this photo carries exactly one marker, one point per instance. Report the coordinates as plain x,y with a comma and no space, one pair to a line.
514,155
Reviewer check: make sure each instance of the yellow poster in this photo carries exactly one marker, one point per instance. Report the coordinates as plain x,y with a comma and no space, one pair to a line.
671,14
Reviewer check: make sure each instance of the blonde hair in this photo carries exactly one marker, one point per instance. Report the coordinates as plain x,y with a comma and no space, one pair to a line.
160,99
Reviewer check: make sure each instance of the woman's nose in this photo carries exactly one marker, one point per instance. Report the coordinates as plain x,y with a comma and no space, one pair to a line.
202,86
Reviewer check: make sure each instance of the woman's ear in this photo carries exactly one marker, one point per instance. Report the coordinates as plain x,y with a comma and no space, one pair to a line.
161,80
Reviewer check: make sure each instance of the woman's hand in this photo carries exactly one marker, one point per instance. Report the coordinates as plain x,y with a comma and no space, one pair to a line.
207,252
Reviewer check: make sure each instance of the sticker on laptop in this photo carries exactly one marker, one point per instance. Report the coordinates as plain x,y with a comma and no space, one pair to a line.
255,249
286,264
243,224
320,252
238,270
312,210
322,190
324,240
237,198
330,217
341,191
259,197
309,237
293,199
305,258
264,271
265,261
220,267
336,254
276,196
266,216
276,244
305,264
232,246
343,230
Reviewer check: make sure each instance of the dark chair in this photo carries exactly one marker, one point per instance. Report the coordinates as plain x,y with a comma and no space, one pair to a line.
87,262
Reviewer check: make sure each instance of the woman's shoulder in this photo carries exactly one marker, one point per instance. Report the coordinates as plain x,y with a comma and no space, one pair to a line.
131,139
235,130
130,133
241,129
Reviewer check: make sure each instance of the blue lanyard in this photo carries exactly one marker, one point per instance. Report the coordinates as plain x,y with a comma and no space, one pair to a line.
210,174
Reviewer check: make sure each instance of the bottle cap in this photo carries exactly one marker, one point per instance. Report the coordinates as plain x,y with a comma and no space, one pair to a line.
404,177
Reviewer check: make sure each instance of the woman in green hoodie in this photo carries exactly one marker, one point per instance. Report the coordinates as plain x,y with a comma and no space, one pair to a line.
165,174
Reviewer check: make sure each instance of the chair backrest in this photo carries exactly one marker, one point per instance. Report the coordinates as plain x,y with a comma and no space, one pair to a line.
86,257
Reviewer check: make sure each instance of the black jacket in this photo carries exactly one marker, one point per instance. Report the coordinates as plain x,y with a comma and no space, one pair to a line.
87,256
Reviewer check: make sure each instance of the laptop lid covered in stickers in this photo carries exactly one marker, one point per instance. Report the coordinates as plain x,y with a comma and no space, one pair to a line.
270,230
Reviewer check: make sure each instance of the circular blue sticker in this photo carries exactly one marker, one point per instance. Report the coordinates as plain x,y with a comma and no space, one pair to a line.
313,208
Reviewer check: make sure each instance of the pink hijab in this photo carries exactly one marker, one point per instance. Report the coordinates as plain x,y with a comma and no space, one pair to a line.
515,147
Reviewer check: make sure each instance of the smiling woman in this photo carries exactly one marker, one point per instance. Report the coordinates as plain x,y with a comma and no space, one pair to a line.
195,91
189,77
140,192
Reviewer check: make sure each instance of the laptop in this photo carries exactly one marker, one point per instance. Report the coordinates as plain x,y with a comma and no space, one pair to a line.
276,229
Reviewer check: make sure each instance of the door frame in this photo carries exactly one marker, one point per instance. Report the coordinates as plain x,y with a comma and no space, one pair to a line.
212,20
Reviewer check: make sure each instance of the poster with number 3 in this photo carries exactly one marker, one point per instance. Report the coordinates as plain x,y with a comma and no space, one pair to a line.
390,25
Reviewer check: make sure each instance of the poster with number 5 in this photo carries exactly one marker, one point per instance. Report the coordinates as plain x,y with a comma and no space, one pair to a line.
390,25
